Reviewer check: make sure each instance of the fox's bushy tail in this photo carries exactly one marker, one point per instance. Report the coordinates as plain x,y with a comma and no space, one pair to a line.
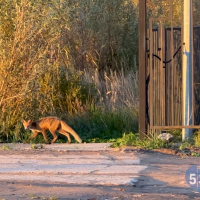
68,129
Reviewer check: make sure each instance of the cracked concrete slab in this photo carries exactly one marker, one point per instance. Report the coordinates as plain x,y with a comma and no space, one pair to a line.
56,172
96,168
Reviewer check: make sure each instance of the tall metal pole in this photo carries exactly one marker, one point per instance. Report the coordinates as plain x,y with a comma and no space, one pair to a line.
142,69
187,74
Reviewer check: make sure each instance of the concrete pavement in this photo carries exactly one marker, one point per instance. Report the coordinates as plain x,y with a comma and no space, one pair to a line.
89,164
92,171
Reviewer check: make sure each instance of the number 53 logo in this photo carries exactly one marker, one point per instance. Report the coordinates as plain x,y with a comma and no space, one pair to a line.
192,177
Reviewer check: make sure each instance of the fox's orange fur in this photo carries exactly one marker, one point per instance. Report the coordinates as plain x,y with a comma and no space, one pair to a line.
53,124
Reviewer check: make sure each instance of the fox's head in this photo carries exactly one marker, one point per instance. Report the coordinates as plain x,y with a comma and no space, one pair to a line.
26,124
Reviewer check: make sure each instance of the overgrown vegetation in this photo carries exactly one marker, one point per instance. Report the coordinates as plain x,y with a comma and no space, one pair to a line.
72,59
76,60
191,146
131,139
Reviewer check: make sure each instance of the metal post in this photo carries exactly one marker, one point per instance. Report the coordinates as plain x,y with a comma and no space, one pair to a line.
142,69
187,68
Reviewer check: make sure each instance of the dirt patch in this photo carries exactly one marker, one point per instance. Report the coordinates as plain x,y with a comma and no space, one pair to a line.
190,151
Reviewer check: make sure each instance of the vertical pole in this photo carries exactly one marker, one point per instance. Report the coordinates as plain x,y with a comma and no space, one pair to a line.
162,75
151,75
187,68
165,78
142,69
172,63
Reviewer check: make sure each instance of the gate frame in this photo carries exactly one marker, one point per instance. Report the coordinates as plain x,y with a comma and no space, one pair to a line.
143,110
142,70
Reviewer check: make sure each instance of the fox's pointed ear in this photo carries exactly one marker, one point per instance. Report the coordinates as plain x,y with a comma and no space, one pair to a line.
29,121
22,120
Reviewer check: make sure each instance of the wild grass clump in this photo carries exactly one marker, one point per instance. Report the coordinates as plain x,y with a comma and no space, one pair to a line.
103,126
152,142
197,138
131,139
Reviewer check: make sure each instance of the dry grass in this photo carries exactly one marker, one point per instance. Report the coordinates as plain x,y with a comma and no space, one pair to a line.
69,59
120,89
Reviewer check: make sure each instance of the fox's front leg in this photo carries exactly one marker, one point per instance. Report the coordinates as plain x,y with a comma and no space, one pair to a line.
35,133
45,137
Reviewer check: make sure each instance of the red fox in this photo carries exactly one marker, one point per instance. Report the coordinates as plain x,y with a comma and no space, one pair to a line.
52,124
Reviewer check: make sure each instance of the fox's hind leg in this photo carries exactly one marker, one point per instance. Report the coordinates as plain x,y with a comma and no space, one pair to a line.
53,132
66,134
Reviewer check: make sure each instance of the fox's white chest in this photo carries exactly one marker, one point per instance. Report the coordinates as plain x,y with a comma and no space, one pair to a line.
34,130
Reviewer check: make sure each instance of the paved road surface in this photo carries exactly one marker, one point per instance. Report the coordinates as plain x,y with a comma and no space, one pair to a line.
94,168
91,172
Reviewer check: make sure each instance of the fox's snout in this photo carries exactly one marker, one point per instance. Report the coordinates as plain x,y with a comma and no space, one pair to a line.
27,127
26,124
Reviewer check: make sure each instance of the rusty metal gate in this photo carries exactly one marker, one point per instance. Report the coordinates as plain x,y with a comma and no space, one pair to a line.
164,78
160,65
